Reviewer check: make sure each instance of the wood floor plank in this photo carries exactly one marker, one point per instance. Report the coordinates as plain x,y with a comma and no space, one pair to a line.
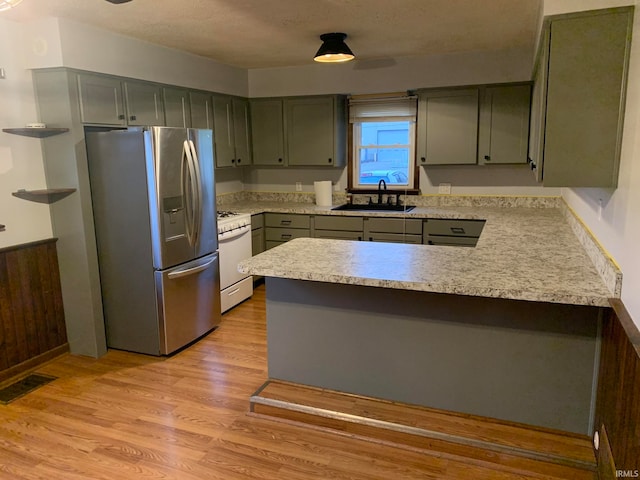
186,418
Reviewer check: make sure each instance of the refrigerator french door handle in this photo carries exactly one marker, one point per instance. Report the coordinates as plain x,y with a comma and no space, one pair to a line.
197,220
187,189
191,271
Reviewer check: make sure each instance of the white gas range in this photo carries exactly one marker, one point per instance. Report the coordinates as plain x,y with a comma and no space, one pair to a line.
234,239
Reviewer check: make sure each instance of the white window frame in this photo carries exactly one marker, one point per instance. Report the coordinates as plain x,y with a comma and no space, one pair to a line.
383,108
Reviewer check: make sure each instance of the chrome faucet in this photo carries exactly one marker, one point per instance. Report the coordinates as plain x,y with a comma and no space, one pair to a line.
380,191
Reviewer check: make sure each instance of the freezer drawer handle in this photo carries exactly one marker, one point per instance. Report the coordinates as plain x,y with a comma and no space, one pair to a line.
191,271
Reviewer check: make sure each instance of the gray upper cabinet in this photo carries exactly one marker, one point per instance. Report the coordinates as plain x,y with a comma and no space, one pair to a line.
311,133
447,127
144,103
306,131
177,107
267,131
101,100
588,55
223,131
504,124
241,130
231,131
201,110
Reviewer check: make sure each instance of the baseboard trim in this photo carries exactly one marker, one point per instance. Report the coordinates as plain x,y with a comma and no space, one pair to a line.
10,374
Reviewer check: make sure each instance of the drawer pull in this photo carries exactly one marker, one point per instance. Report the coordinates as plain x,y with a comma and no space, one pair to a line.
458,230
285,222
285,236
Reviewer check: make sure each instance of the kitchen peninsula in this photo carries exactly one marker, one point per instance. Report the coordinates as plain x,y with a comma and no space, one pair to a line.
508,329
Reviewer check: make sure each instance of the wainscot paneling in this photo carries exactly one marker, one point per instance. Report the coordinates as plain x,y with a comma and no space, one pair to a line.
32,328
618,405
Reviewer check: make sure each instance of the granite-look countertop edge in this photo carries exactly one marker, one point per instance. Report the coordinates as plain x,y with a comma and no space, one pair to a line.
522,254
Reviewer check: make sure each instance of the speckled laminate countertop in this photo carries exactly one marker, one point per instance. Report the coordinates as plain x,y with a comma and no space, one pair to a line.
523,253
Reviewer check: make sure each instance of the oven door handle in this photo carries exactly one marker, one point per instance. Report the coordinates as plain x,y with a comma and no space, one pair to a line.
226,236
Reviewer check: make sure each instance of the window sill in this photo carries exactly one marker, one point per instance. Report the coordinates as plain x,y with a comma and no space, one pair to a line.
388,191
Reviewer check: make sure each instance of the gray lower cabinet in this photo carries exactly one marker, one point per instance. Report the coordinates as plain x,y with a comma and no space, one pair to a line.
503,135
177,107
267,130
585,65
338,227
395,230
257,234
447,129
101,100
453,232
201,110
144,103
282,227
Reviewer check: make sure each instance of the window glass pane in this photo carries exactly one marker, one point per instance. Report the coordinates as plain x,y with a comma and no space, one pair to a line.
388,164
385,133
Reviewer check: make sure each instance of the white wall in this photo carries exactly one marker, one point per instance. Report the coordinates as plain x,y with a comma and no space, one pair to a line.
57,42
614,215
393,74
20,157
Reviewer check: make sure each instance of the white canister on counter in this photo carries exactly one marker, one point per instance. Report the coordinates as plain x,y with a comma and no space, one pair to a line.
323,193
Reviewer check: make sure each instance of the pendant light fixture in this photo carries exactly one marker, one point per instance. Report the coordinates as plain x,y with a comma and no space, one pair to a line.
333,49
7,4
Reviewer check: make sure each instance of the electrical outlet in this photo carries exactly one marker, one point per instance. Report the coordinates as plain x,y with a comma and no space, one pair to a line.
444,188
298,186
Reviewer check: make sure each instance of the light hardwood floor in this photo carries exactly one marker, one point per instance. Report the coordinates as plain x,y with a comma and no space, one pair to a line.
185,417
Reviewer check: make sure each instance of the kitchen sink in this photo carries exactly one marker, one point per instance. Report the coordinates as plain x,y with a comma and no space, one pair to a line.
374,207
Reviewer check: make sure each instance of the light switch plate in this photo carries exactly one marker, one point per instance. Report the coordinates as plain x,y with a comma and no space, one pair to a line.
444,188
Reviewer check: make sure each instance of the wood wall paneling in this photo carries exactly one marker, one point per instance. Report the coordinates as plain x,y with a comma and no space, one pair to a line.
618,403
31,309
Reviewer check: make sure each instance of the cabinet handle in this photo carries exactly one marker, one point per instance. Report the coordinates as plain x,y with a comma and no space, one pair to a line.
487,158
330,160
233,160
279,160
285,236
533,166
422,159
121,117
239,160
285,222
132,117
371,239
359,238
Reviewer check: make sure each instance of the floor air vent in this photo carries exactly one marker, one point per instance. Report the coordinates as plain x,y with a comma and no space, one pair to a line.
16,390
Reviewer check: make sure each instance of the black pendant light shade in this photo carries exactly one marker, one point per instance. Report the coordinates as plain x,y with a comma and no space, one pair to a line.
333,49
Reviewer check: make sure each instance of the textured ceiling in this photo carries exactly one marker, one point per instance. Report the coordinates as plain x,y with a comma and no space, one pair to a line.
274,33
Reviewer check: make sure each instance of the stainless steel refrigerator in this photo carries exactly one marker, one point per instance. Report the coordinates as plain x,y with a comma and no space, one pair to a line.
153,195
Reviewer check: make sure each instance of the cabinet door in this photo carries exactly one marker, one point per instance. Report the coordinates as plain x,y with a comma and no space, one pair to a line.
144,104
223,131
177,109
267,131
588,63
201,110
504,125
310,131
241,131
448,127
257,241
539,108
101,100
